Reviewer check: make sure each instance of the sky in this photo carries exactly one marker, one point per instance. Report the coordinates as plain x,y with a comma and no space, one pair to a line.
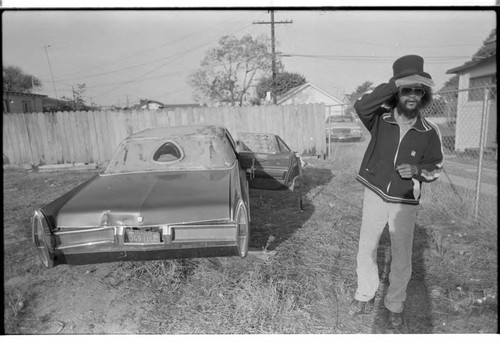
124,55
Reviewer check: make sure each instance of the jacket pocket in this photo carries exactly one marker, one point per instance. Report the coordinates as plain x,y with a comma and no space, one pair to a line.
405,188
379,173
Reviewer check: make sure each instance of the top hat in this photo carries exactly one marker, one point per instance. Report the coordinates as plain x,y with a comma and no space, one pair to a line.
409,65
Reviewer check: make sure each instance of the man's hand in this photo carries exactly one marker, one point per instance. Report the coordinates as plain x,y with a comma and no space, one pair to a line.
406,171
414,79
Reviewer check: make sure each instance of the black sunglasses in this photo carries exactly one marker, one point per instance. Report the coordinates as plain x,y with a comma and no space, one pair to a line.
407,91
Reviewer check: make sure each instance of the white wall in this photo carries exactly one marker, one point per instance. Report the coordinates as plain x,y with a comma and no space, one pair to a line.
312,95
469,113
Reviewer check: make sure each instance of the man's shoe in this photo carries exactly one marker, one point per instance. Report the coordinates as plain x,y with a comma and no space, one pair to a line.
395,319
358,307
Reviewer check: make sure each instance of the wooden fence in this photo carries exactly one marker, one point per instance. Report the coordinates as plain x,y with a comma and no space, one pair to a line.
92,137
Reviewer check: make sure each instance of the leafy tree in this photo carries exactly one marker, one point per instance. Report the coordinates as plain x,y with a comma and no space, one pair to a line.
360,91
284,81
228,71
78,101
451,84
79,95
15,79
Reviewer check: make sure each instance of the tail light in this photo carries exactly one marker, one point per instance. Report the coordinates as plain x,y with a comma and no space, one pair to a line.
243,229
40,228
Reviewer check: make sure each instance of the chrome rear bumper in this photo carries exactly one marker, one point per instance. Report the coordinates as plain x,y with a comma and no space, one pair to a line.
105,244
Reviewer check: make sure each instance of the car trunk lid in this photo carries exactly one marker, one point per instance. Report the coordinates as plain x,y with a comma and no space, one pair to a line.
144,199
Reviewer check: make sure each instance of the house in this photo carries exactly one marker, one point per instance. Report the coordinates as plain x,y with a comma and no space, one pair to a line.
181,105
110,108
309,93
477,80
146,104
156,105
21,102
56,105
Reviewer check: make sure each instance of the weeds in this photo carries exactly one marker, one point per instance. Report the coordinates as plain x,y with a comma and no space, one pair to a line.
14,305
164,273
308,284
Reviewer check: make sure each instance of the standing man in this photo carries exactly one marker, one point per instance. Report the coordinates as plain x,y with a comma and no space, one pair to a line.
404,151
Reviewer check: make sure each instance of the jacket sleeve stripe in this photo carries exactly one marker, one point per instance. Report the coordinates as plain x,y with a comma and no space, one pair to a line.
436,128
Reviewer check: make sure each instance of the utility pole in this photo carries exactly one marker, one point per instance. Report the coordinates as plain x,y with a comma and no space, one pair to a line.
50,68
273,45
74,99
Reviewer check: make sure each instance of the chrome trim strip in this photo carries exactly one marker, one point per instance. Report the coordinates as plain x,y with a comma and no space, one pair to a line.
83,231
170,170
83,227
195,226
166,232
224,220
84,244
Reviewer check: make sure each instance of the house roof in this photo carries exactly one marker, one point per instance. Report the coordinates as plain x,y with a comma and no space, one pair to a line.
292,92
51,100
486,53
143,102
182,105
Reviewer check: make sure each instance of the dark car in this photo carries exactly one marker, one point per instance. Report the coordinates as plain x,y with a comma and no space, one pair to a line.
342,128
173,192
269,162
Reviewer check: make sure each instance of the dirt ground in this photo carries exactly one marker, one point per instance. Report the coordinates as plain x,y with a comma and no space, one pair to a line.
86,299
108,298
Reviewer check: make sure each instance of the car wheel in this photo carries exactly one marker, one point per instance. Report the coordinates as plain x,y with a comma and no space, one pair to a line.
42,249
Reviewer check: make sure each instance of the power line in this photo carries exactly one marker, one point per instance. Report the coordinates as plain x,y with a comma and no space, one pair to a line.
171,58
373,58
142,52
273,45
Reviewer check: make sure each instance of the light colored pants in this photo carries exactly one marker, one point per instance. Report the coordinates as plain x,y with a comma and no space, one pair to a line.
401,219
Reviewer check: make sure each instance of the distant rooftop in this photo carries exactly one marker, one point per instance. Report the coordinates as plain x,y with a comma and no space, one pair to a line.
487,51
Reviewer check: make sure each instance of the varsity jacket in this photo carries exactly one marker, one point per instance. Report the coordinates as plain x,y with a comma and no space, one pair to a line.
421,146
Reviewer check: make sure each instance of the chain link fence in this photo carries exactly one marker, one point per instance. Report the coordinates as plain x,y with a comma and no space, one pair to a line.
467,119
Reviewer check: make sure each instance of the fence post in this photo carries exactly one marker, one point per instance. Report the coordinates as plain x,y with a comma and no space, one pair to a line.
482,138
33,162
329,132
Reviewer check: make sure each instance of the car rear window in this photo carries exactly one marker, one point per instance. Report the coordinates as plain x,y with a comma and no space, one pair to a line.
190,152
167,153
258,143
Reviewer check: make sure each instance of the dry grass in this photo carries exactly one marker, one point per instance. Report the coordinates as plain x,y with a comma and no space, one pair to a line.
306,283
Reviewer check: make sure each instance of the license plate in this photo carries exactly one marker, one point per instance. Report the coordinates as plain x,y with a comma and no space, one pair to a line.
137,236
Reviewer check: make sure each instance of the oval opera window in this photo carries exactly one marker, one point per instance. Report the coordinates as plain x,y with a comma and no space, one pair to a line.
167,153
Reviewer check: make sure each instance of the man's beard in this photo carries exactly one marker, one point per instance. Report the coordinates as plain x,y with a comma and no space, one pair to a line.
408,113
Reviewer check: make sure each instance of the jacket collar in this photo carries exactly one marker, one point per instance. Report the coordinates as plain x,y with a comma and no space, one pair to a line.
420,125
